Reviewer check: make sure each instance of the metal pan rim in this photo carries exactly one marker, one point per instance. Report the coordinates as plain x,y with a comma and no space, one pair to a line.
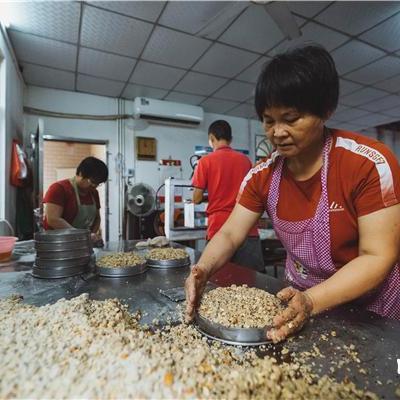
112,272
164,264
257,336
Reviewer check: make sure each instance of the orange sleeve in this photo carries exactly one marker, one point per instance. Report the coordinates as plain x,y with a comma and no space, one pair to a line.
55,194
254,189
200,177
379,186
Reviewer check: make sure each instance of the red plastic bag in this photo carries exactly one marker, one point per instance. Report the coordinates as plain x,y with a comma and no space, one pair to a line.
19,168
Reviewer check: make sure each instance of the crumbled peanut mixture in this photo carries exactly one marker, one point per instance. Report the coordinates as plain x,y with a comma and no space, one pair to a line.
83,348
240,306
120,260
167,253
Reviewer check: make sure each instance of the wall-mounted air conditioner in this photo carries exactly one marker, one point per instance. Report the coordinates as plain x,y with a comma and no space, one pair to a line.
167,112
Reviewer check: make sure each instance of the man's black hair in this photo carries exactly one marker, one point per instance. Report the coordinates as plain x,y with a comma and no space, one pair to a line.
221,130
304,78
94,169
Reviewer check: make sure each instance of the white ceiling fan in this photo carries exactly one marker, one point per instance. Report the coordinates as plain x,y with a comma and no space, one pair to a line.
278,11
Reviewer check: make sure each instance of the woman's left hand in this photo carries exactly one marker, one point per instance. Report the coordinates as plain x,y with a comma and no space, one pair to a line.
292,319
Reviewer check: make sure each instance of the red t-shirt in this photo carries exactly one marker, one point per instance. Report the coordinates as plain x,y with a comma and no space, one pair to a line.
62,193
221,173
363,177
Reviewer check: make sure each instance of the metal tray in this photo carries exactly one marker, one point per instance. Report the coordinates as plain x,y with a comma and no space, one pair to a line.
163,264
63,254
58,272
121,272
60,235
233,336
62,246
64,262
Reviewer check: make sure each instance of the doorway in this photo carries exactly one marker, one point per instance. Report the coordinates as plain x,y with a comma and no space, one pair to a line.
61,156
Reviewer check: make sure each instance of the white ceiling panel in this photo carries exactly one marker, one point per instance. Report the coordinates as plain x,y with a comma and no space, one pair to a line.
192,16
386,34
47,52
362,96
392,85
132,91
263,35
333,123
174,48
354,54
224,60
347,87
393,112
307,8
235,90
103,87
218,106
243,111
251,74
200,84
105,65
250,100
385,103
345,126
48,77
339,109
350,114
372,120
377,71
185,98
313,33
148,10
114,33
160,76
354,17
56,20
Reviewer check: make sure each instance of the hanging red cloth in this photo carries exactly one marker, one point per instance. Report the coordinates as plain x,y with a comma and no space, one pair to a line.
19,173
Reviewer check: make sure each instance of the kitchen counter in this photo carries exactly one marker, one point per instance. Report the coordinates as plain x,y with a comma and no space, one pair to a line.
333,334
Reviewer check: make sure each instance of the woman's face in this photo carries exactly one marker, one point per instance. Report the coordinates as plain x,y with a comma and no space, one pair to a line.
292,132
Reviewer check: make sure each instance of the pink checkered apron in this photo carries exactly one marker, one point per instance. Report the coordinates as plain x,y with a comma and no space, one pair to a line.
308,246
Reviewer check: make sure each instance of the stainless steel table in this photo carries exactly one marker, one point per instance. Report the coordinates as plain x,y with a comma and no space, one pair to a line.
376,339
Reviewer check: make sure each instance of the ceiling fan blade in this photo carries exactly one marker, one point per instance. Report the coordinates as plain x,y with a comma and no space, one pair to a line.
222,18
283,17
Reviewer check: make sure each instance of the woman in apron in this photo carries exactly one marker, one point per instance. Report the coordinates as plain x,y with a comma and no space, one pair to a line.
332,196
74,203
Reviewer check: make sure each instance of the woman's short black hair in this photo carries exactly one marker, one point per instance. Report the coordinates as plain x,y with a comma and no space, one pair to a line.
221,130
94,169
304,78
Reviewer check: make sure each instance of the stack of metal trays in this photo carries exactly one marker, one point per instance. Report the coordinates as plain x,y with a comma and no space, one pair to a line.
62,253
232,336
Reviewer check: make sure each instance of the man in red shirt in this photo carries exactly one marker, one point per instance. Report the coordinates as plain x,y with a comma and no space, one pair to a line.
221,174
74,203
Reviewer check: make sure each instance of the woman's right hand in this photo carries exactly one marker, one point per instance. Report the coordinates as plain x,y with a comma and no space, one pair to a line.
194,288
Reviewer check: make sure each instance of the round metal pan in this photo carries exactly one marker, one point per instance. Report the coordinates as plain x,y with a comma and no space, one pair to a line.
113,272
66,262
232,336
63,254
57,273
60,235
163,264
59,246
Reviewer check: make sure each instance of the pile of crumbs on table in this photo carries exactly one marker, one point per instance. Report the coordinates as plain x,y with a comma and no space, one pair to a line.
97,349
167,253
240,306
